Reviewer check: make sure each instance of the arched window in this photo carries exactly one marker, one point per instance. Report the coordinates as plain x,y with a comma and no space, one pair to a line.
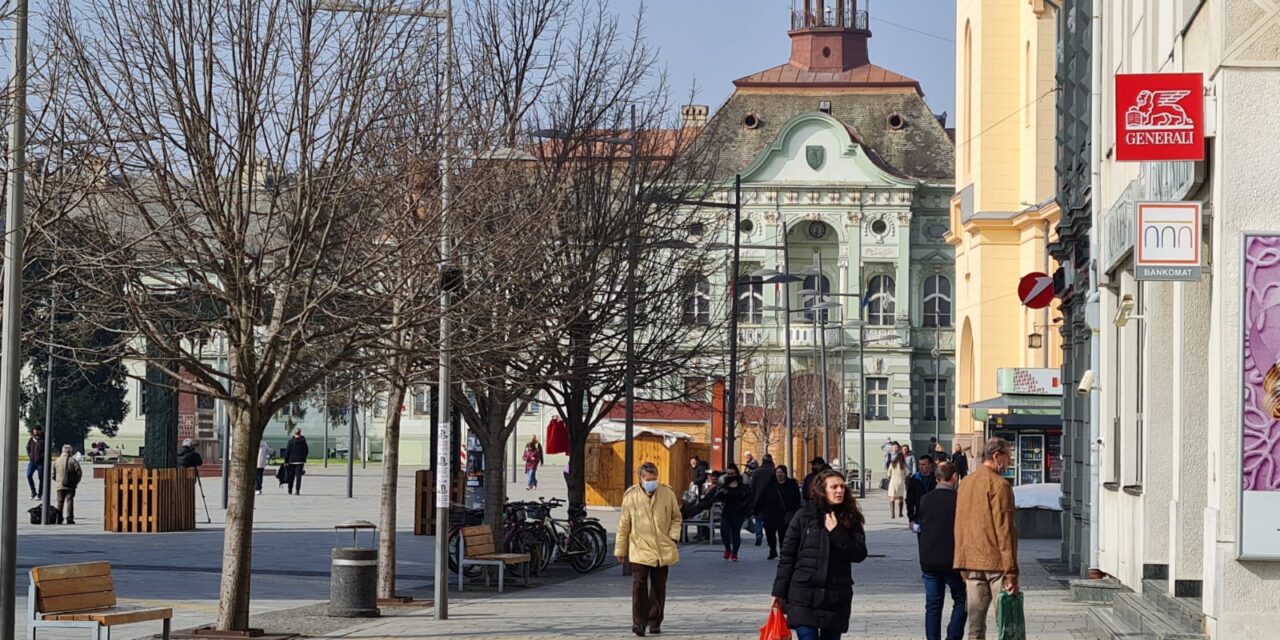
966,125
823,286
881,306
1028,91
937,301
750,300
697,306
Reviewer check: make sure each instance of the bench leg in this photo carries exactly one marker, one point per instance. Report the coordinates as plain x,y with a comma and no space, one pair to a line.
502,570
461,574
165,633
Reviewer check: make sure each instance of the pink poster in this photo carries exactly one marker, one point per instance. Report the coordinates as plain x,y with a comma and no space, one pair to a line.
1260,461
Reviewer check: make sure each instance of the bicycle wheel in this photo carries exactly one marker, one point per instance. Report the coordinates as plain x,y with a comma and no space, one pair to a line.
582,549
601,538
473,571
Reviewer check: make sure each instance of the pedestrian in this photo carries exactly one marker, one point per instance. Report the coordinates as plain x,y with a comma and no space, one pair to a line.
750,464
920,483
66,477
939,454
960,460
647,536
35,462
533,458
986,550
781,501
935,529
887,450
814,584
700,470
897,485
295,457
188,457
760,481
909,458
735,498
265,452
816,465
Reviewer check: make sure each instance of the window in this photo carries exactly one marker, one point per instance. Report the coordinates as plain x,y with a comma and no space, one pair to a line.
696,389
292,410
204,402
750,299
380,406
747,391
937,301
881,306
421,401
822,285
697,307
877,398
935,398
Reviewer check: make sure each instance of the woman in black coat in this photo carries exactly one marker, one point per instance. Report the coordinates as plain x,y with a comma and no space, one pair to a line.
814,585
778,503
734,494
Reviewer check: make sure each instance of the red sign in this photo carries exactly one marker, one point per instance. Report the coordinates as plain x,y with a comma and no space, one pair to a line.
1036,290
1159,116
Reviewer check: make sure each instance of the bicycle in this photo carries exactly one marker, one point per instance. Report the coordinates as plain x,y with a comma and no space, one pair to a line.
576,539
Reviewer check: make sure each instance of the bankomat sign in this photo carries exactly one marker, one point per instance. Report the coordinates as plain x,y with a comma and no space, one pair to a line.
1168,241
1159,116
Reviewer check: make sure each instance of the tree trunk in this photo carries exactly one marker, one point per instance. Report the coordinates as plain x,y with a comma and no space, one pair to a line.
494,440
577,466
237,546
390,481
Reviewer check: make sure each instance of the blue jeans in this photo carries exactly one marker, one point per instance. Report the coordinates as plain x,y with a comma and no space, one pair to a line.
936,584
533,477
814,633
758,528
731,531
35,469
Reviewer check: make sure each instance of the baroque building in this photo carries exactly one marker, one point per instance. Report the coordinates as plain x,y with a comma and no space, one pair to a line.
846,176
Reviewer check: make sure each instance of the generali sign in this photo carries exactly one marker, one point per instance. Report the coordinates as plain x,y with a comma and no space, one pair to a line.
1159,116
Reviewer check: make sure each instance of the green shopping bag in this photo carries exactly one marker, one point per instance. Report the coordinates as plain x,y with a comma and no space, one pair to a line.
1011,624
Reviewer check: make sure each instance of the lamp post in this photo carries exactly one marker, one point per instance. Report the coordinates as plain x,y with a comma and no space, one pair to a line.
11,347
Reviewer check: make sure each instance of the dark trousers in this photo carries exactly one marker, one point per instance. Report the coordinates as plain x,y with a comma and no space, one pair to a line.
35,469
648,595
758,529
295,477
67,497
936,584
774,528
731,531
814,633
258,482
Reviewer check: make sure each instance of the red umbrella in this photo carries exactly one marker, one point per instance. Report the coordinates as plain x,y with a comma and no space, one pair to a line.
557,436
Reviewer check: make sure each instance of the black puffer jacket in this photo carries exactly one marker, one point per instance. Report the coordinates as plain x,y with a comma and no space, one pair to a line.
735,494
815,572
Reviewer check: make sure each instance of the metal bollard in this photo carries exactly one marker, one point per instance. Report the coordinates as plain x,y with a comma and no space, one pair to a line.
353,576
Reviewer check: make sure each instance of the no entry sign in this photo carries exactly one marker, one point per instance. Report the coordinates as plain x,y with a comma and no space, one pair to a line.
1159,116
1036,290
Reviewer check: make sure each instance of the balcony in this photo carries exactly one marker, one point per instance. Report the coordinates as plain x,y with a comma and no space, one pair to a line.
857,19
809,336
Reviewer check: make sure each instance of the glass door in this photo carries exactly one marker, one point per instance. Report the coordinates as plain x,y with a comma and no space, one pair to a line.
1011,474
1030,459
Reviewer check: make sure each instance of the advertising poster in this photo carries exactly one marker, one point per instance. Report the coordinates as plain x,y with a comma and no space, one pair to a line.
1260,428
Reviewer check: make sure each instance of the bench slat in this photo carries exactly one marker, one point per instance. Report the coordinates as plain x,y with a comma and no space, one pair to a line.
68,571
77,602
113,615
508,558
71,586
475,551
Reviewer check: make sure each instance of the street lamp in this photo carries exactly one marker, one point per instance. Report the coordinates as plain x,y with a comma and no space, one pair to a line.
772,276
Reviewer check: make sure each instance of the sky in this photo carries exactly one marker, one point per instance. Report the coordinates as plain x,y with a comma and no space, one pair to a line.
714,42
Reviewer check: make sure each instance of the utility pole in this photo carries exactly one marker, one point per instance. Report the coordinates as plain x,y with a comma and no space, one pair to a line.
11,345
46,471
444,451
731,403
629,372
351,442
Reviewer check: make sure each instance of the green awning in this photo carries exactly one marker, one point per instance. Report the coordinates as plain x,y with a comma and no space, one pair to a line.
1015,403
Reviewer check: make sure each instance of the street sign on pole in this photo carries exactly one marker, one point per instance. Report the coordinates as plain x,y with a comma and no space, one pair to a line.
1035,290
1167,246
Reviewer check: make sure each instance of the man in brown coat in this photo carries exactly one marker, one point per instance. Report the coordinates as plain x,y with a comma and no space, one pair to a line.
986,540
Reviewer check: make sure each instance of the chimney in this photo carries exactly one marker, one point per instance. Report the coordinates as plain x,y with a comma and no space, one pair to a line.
694,115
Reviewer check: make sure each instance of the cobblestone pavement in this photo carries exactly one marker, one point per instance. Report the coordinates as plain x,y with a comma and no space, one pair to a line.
708,597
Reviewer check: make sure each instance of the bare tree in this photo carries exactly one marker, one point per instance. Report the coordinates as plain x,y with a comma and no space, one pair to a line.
270,194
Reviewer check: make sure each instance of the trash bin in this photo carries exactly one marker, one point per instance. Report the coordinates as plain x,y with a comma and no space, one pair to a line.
353,576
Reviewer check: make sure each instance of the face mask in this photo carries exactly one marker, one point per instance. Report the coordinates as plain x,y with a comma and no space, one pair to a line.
649,486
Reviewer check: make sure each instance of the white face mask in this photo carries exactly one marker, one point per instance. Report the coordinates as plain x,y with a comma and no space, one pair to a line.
649,486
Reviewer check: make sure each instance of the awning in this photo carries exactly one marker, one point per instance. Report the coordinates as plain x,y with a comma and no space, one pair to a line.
1016,402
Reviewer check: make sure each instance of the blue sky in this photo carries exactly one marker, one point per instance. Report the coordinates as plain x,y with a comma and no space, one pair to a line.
717,41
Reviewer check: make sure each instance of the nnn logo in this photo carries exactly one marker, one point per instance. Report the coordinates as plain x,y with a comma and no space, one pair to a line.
1174,234
1168,234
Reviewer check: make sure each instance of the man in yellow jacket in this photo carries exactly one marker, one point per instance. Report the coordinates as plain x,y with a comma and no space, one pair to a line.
647,536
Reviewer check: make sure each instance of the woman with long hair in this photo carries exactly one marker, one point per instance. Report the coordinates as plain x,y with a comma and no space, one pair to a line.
733,494
532,460
898,473
814,585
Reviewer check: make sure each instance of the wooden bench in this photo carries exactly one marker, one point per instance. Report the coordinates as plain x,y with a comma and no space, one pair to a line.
82,596
476,548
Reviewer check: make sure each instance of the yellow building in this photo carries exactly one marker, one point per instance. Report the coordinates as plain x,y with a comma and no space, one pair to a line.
1003,212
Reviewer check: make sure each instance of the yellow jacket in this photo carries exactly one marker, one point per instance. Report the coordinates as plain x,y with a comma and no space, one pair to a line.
650,527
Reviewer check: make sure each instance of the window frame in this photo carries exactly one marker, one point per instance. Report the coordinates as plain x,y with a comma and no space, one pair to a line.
752,294
697,304
933,300
882,306
935,398
877,398
822,284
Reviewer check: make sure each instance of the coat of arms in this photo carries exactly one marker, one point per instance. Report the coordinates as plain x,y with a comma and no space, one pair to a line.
815,155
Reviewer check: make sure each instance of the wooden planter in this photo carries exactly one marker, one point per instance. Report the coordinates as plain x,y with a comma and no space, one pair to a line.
149,500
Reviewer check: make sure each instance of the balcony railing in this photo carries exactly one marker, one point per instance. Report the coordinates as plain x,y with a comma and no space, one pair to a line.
857,19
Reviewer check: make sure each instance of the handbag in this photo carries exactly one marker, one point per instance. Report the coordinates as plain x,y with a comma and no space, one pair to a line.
1011,623
775,626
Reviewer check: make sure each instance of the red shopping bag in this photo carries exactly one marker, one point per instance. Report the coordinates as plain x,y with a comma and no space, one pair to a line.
775,628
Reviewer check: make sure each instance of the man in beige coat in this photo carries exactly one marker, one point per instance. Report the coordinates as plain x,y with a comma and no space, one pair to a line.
986,540
647,536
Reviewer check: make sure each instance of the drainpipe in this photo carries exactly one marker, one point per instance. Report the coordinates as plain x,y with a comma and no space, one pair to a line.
1095,275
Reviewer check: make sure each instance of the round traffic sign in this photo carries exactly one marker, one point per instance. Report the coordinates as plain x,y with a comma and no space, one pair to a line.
1036,290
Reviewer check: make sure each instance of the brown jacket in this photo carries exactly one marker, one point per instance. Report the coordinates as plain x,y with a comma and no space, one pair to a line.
986,539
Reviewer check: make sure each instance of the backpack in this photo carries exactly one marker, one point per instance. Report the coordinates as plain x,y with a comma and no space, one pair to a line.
54,515
74,475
